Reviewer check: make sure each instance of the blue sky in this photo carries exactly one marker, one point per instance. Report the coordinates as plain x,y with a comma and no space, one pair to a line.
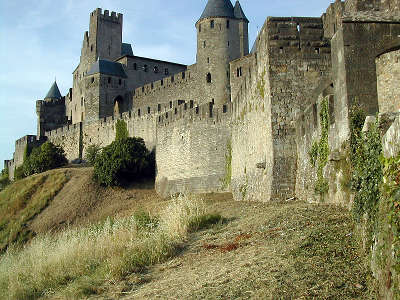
41,40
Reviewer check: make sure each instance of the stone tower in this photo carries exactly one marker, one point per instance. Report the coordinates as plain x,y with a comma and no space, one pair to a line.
103,41
50,111
221,38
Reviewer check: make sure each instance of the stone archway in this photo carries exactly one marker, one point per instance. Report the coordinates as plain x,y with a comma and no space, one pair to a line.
118,105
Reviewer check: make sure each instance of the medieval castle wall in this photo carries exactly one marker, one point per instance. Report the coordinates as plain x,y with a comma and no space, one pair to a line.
192,149
263,139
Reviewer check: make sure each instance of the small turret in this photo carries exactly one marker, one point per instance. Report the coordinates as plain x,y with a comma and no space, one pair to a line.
243,29
53,93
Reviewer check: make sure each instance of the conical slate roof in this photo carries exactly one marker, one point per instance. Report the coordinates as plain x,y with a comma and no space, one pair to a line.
54,92
218,8
238,11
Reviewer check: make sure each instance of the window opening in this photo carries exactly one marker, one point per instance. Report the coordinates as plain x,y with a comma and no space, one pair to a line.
209,77
212,24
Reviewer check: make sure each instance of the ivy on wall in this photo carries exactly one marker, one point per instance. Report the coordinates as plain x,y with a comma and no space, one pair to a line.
319,152
391,194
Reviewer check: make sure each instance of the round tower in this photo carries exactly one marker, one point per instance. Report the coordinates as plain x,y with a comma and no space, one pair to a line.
219,41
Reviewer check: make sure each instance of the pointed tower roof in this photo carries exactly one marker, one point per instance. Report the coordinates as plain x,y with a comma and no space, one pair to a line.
218,8
239,14
54,92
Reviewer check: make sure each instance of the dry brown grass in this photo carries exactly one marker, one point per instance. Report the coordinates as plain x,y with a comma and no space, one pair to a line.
264,251
75,263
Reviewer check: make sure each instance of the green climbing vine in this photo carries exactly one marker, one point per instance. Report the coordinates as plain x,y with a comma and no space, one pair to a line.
319,152
391,194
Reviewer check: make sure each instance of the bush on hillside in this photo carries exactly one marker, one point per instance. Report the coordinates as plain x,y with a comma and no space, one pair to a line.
19,173
91,153
4,181
44,158
122,161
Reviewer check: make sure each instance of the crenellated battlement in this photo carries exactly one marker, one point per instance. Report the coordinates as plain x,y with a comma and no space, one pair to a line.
106,16
206,112
171,82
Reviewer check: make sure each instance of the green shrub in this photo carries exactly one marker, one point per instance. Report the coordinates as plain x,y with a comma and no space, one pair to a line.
4,179
122,161
44,158
19,173
121,130
91,153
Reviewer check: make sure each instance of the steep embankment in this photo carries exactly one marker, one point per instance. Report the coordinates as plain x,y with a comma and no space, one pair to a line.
65,197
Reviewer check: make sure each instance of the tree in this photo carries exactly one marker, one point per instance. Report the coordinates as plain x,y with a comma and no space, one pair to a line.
43,158
123,160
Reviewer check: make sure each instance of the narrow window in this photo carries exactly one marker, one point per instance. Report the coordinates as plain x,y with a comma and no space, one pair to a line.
91,48
148,109
185,106
227,23
143,89
228,44
145,68
170,104
183,75
92,79
159,107
138,112
224,108
172,78
315,115
162,82
212,24
152,86
82,101
109,80
204,44
200,28
135,66
191,103
166,72
120,82
237,72
209,78
176,110
155,69
197,110
208,60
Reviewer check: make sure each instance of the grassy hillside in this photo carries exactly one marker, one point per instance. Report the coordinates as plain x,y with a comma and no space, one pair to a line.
23,201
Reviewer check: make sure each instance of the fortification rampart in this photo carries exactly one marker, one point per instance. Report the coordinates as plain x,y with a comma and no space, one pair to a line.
267,102
192,149
388,76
